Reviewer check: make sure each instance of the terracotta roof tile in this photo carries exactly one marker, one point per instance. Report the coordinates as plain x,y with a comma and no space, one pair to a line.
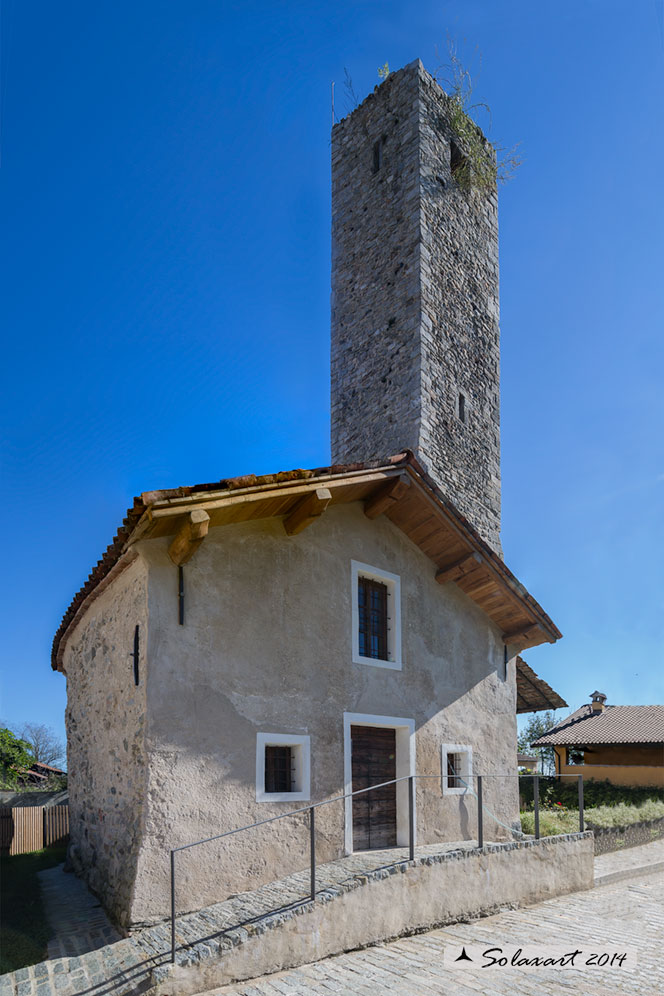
626,724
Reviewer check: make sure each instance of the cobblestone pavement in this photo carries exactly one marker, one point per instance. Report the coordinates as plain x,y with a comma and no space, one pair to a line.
619,916
76,918
127,966
617,865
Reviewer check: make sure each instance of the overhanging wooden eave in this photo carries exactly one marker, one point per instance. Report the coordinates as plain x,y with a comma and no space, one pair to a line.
417,507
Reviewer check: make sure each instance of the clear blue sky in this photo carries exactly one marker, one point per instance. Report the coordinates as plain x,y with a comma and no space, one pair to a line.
165,288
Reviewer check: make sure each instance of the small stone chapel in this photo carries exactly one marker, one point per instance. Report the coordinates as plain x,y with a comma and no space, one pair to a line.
251,644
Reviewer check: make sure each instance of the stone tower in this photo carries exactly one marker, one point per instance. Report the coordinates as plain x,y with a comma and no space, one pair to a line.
415,336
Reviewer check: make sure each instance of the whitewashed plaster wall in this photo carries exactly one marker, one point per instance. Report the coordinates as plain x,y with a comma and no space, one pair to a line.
266,647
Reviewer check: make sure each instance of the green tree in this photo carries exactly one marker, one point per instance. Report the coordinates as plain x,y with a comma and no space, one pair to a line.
44,743
537,725
14,755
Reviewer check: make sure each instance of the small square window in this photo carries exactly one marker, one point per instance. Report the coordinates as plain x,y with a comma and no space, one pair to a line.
376,616
282,767
279,762
457,768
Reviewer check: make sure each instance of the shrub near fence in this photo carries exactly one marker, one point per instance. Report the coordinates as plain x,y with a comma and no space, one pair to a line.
31,828
553,789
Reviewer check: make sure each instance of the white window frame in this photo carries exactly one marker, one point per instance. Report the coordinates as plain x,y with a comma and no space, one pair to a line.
466,772
302,745
393,583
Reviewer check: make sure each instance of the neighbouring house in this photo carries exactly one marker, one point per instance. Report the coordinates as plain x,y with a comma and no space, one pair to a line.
250,645
527,762
622,744
40,774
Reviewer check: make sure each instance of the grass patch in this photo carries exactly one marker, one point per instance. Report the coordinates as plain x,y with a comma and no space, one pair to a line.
566,791
623,815
24,932
552,822
559,820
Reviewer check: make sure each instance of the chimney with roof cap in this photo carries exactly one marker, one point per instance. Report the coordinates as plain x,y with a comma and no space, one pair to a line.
597,700
415,336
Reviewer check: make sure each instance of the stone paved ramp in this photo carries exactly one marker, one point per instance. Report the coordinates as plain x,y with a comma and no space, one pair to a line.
130,965
76,918
141,961
618,865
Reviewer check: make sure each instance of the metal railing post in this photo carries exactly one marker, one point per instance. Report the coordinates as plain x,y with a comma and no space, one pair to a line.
173,907
536,800
480,814
581,824
312,850
411,818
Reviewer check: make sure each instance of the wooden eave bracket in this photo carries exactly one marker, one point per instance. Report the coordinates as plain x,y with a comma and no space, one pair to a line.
193,530
386,496
522,635
454,572
307,510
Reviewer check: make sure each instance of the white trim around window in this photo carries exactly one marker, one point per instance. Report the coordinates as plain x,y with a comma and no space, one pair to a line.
464,767
393,582
301,746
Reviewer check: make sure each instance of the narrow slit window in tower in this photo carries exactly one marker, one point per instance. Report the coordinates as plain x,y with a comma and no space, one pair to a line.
377,155
458,162
462,407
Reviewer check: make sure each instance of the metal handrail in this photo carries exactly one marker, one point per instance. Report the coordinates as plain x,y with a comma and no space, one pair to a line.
312,848
348,795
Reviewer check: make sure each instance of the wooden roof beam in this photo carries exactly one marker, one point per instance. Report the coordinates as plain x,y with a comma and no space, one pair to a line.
453,572
307,510
523,634
386,496
193,530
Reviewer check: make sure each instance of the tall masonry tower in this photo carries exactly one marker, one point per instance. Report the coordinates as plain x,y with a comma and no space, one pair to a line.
415,336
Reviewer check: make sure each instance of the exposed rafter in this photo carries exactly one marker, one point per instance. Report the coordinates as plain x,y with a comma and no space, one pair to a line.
191,532
307,510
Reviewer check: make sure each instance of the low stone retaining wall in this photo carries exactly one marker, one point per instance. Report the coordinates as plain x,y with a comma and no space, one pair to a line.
388,902
617,838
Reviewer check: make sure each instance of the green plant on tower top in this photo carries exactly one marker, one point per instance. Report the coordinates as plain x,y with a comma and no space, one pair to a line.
476,162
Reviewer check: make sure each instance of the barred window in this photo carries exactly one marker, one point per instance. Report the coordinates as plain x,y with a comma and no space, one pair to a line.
456,768
372,612
279,765
454,779
283,767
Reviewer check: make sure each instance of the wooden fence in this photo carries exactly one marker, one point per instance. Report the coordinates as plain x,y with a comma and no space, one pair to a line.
31,828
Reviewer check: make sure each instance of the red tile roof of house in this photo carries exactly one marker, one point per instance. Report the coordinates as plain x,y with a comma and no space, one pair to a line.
616,724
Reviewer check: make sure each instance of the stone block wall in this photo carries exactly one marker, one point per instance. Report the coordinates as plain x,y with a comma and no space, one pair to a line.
415,308
106,724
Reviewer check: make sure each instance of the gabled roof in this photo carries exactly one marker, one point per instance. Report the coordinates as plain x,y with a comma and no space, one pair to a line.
398,488
532,692
627,724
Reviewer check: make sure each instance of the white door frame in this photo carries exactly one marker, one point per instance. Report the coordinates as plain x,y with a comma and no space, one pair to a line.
405,765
